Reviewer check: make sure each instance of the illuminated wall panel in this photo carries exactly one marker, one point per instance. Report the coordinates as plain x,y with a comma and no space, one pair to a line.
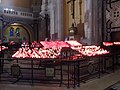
16,33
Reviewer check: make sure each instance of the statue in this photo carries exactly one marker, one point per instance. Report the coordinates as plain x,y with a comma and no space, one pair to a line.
17,32
11,31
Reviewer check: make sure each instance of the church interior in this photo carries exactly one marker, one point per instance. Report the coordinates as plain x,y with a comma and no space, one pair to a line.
59,44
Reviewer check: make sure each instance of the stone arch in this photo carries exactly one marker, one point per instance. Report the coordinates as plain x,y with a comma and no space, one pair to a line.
24,25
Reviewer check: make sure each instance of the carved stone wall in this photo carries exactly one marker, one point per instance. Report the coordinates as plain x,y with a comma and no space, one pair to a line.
112,18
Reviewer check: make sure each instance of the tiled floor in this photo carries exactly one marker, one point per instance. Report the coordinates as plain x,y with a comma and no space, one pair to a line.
116,86
95,84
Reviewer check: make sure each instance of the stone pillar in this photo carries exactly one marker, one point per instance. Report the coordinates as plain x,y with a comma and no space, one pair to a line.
96,22
88,19
58,18
95,32
55,9
92,24
52,17
99,12
44,15
1,27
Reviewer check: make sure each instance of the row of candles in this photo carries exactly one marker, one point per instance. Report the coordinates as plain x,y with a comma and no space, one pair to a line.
53,49
111,43
92,50
2,48
26,52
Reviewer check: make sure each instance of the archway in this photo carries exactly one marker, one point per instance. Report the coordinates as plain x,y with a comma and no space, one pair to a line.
17,32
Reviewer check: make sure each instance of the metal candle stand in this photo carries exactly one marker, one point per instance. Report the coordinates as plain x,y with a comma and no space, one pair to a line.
72,69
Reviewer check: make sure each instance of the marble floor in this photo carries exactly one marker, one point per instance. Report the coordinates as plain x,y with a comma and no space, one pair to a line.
94,84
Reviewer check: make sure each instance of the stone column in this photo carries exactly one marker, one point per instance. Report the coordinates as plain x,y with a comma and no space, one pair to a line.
1,27
58,18
95,33
55,9
55,12
88,19
96,22
51,7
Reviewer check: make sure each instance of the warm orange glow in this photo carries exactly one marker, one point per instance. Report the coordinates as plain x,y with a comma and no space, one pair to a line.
116,43
54,44
107,43
26,52
73,43
3,48
53,49
92,50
